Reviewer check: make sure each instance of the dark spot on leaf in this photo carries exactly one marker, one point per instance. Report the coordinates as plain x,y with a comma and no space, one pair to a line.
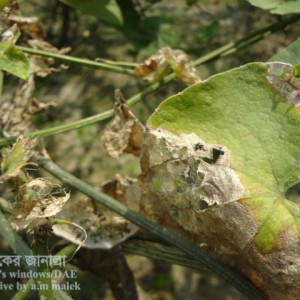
199,146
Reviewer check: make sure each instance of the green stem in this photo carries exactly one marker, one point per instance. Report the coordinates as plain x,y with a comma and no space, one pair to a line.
246,41
24,293
169,254
118,63
80,61
1,84
222,51
193,251
40,248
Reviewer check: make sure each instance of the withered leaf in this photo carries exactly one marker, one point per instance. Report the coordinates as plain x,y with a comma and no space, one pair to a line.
30,25
36,199
164,61
42,66
124,133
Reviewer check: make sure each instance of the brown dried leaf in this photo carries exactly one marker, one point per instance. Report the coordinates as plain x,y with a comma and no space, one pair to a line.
164,61
124,133
16,116
42,66
30,25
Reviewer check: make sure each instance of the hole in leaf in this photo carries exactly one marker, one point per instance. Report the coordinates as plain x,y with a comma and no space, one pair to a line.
293,193
214,159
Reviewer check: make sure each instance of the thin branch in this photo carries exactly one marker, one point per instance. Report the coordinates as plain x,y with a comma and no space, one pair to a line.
246,41
193,251
81,61
222,51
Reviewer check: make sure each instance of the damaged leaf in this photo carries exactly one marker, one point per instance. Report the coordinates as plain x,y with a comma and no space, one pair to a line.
30,25
164,61
13,60
16,158
42,66
38,199
219,159
124,133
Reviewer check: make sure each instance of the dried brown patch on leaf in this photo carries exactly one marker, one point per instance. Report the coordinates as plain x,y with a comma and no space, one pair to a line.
164,61
125,190
187,175
16,116
30,25
43,66
104,228
124,133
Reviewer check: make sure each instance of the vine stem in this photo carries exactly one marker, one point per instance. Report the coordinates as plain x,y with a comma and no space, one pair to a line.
227,49
193,251
110,66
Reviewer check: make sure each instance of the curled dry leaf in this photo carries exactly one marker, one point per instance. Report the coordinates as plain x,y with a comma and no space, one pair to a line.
30,25
37,199
124,133
164,61
218,162
42,66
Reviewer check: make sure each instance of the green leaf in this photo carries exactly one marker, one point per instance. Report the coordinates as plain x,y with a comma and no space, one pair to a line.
290,55
4,3
107,11
296,71
16,158
253,112
278,7
13,60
